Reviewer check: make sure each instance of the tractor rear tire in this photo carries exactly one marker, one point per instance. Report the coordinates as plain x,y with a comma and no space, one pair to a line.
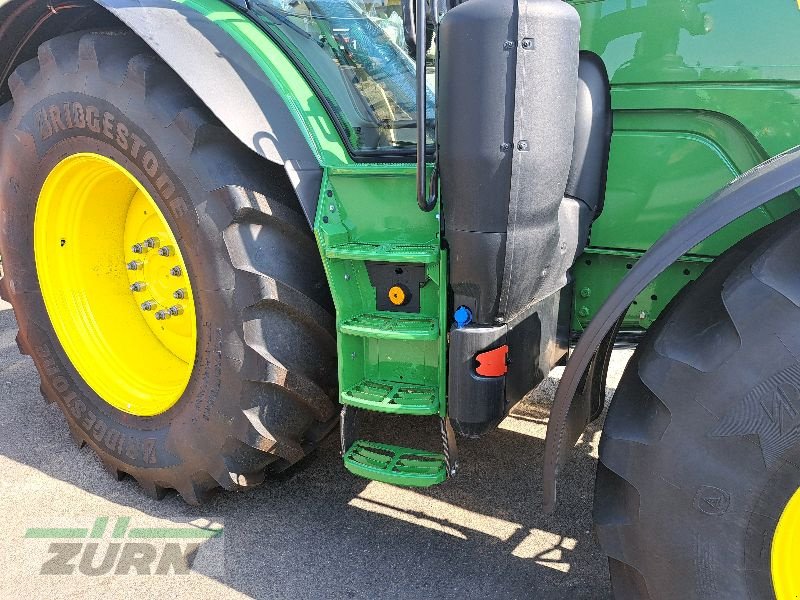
260,391
700,454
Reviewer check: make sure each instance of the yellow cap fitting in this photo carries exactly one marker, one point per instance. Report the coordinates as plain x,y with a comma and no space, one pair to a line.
397,295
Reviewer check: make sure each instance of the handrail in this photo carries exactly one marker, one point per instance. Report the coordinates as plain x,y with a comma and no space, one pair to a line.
426,201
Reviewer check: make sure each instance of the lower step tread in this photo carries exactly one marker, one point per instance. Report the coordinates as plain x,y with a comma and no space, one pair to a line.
393,398
396,465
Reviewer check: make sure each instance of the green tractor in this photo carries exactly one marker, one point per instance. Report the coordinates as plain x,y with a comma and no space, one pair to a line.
228,226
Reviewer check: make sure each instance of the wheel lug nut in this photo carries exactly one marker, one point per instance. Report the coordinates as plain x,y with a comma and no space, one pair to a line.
179,294
176,271
149,305
162,315
137,248
135,265
138,286
165,251
176,310
151,242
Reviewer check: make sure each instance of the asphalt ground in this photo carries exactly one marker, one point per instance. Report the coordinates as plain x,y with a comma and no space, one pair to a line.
315,532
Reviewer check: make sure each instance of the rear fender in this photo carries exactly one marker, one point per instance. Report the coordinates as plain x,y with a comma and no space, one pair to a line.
236,89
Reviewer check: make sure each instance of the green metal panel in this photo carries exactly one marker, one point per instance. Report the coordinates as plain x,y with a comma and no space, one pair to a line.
599,271
663,164
702,91
366,212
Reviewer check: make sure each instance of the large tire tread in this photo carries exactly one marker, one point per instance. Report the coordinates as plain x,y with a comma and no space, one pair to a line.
652,452
288,364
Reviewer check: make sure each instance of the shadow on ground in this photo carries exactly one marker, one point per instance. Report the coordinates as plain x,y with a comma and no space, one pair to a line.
318,532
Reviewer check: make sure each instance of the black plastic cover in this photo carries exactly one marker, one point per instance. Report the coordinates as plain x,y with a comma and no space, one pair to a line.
476,271
537,256
593,128
524,131
408,277
476,75
508,73
476,404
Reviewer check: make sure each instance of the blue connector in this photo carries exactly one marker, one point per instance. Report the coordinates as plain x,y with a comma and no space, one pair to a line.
463,317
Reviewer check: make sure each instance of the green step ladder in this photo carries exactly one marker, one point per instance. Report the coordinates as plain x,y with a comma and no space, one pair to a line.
391,357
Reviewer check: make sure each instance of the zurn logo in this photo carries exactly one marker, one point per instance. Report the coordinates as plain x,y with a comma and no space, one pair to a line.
131,546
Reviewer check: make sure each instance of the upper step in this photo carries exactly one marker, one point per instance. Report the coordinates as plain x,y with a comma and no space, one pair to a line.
395,253
392,326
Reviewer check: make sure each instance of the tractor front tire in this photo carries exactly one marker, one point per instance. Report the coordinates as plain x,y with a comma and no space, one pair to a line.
220,365
697,486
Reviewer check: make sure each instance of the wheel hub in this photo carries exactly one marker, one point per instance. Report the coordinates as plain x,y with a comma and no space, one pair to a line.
115,284
157,286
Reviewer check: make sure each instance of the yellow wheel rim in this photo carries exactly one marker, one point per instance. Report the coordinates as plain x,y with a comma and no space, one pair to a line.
786,552
115,285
